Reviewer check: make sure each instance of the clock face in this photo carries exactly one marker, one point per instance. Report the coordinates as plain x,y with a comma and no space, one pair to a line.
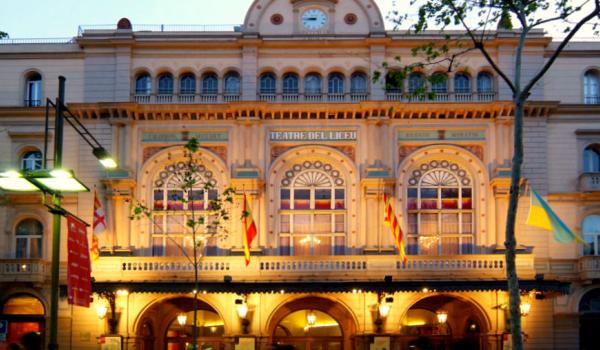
314,19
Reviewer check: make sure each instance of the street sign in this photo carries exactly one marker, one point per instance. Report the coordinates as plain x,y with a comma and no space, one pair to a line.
3,326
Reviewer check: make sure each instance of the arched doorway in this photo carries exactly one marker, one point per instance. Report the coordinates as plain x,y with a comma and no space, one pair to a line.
589,320
312,323
169,324
25,315
443,322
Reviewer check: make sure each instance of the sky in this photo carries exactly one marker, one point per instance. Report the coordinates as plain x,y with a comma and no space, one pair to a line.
61,18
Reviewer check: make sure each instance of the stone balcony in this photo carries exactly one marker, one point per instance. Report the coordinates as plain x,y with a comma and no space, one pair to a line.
287,269
589,267
589,182
24,270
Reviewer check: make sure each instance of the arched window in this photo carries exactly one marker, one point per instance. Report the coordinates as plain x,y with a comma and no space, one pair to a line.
28,239
416,83
173,208
232,83
290,84
590,230
312,210
187,84
393,82
32,160
165,84
440,210
336,84
485,83
143,84
439,83
462,83
358,83
210,84
312,84
591,159
591,90
268,83
33,90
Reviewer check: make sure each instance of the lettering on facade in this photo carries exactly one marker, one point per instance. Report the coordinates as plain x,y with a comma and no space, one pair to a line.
201,136
313,135
434,135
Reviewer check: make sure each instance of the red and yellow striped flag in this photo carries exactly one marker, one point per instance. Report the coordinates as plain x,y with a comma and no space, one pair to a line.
249,229
98,226
390,219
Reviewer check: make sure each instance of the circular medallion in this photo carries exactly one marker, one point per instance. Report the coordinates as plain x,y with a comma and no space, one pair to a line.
277,19
350,18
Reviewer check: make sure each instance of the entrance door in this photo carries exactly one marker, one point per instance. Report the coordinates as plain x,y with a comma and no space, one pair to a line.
308,330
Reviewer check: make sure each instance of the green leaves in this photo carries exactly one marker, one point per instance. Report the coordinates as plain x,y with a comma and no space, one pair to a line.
3,35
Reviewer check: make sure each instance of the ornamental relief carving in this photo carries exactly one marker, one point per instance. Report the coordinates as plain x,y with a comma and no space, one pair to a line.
277,151
220,151
406,150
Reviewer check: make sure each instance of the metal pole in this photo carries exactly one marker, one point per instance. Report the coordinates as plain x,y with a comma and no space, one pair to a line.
56,200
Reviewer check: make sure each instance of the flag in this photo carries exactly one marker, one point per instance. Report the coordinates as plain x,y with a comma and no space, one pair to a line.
79,286
98,226
542,216
390,220
249,229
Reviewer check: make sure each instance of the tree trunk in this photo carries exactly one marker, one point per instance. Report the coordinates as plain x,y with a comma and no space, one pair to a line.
511,242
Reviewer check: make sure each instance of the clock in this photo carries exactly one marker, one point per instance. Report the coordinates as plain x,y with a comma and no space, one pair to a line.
313,19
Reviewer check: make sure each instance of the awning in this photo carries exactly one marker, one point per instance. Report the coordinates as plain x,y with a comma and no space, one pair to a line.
331,286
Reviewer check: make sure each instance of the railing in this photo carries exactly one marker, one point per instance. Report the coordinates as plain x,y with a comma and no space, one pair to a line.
165,28
33,103
591,100
37,41
24,270
441,97
589,267
290,268
589,182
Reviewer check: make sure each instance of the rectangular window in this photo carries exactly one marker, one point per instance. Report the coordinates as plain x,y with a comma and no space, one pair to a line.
196,200
340,223
301,199
21,251
301,223
450,224
450,246
323,199
284,245
429,198
412,199
429,224
340,198
449,198
284,199
284,223
322,245
175,224
322,223
340,246
175,200
302,245
467,202
159,200
158,248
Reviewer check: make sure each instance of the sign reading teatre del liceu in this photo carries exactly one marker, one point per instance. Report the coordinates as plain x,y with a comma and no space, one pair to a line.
311,135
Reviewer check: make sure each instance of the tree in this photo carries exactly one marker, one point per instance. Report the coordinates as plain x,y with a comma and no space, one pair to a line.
3,35
203,224
474,19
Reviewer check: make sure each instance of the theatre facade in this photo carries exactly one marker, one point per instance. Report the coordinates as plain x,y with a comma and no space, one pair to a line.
288,110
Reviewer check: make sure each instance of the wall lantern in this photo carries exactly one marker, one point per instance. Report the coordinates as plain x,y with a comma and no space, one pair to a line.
525,308
442,316
182,319
241,307
311,318
101,310
385,306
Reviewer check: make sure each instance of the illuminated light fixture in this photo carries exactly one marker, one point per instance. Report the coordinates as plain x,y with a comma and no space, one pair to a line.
213,329
311,318
282,291
182,319
525,308
101,310
241,307
425,290
24,267
57,180
309,239
122,292
385,307
105,158
15,182
442,316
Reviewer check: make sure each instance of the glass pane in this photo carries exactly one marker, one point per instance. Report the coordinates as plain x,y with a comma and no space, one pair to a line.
322,223
301,223
301,199
188,245
449,198
302,245
284,223
467,200
429,198
340,225
323,199
429,224
173,246
467,223
284,245
322,245
450,246
159,200
590,247
412,198
467,245
175,224
284,199
21,251
157,246
340,198
212,195
428,245
411,246
450,223
158,224
413,224
35,248
196,198
340,247
174,200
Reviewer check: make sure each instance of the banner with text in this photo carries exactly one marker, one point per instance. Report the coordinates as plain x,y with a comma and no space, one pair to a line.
79,286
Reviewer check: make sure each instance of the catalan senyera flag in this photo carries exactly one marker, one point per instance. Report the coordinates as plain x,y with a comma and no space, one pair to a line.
390,219
542,216
249,229
99,226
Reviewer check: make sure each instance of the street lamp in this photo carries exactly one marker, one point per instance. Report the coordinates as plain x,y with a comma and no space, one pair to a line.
55,182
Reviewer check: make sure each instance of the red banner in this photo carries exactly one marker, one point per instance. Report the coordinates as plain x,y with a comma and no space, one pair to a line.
79,286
